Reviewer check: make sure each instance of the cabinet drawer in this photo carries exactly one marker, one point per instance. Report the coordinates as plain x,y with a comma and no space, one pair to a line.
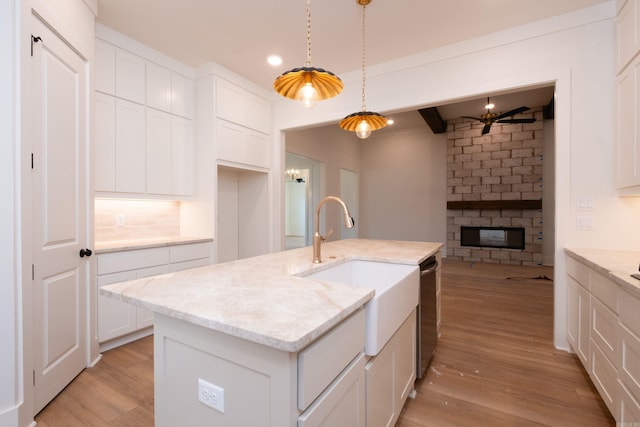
578,271
604,329
605,290
629,307
190,252
605,378
344,402
131,260
321,362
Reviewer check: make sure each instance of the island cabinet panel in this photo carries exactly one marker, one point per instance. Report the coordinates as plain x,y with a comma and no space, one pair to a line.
578,323
260,384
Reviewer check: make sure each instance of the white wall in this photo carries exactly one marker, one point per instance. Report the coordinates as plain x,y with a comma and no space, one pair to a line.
11,353
574,51
403,185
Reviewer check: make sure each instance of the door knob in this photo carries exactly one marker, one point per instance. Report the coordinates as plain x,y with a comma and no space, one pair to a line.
85,252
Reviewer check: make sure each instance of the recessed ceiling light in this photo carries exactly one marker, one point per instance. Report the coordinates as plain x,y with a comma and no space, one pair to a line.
274,60
390,121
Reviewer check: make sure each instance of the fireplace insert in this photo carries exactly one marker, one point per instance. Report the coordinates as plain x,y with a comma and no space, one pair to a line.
492,237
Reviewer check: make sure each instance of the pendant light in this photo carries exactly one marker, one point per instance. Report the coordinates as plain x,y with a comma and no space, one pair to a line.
308,84
363,122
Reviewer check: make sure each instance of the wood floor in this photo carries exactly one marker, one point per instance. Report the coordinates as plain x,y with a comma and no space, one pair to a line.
495,365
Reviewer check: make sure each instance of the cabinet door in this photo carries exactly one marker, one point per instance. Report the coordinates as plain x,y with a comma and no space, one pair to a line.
183,157
130,76
130,147
144,317
115,318
104,137
105,67
230,141
604,376
380,390
405,361
626,128
628,41
158,152
256,149
158,87
182,98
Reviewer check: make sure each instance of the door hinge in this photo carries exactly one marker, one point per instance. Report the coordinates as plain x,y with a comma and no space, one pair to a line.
34,377
31,160
33,272
34,39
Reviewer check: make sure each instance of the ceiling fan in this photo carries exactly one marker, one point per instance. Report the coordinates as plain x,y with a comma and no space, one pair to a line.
490,118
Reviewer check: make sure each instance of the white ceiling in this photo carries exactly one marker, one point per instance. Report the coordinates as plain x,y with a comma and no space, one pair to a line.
240,34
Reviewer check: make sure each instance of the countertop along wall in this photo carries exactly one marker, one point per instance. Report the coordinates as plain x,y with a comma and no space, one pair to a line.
576,52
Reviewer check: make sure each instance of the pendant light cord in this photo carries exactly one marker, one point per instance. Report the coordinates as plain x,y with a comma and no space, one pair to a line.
308,63
364,57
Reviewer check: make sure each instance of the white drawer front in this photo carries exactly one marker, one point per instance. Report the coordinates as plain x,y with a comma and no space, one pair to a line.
604,329
190,252
131,260
629,408
605,378
605,290
321,362
630,361
578,271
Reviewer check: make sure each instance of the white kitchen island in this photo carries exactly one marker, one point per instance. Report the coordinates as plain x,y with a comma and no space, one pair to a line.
262,345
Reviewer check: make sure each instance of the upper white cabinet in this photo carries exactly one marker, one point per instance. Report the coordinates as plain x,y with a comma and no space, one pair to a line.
242,107
144,139
130,76
243,126
105,75
169,91
628,96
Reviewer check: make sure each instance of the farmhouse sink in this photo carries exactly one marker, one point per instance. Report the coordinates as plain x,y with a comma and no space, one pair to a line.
396,295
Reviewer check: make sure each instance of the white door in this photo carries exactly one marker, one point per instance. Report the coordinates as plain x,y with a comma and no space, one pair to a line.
59,179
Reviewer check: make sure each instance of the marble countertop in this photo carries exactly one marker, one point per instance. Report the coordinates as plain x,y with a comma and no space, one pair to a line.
615,264
264,299
128,245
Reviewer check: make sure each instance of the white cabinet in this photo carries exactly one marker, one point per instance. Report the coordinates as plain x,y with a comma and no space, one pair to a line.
170,154
130,147
390,376
169,91
105,66
613,361
242,126
238,144
144,139
130,76
578,310
628,97
238,105
104,137
119,153
118,319
629,358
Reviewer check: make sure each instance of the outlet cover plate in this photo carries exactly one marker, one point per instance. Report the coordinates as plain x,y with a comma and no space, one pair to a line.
211,395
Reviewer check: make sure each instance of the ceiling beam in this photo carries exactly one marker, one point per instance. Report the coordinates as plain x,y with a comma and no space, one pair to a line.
433,119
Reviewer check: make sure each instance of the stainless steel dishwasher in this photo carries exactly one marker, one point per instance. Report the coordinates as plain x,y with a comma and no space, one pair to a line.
427,332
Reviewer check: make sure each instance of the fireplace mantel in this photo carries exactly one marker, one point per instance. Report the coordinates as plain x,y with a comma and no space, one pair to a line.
495,204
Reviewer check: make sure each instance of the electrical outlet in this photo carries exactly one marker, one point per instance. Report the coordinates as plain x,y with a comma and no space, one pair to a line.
211,395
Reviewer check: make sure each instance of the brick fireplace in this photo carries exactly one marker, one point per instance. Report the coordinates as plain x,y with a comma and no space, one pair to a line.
494,182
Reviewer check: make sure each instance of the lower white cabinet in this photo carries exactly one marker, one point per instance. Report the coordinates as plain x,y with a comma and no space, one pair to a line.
118,319
610,325
390,376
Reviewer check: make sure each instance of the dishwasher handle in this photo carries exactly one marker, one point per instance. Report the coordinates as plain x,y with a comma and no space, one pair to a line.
428,266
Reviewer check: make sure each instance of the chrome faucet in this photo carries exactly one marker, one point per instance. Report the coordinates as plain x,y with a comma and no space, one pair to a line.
317,237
